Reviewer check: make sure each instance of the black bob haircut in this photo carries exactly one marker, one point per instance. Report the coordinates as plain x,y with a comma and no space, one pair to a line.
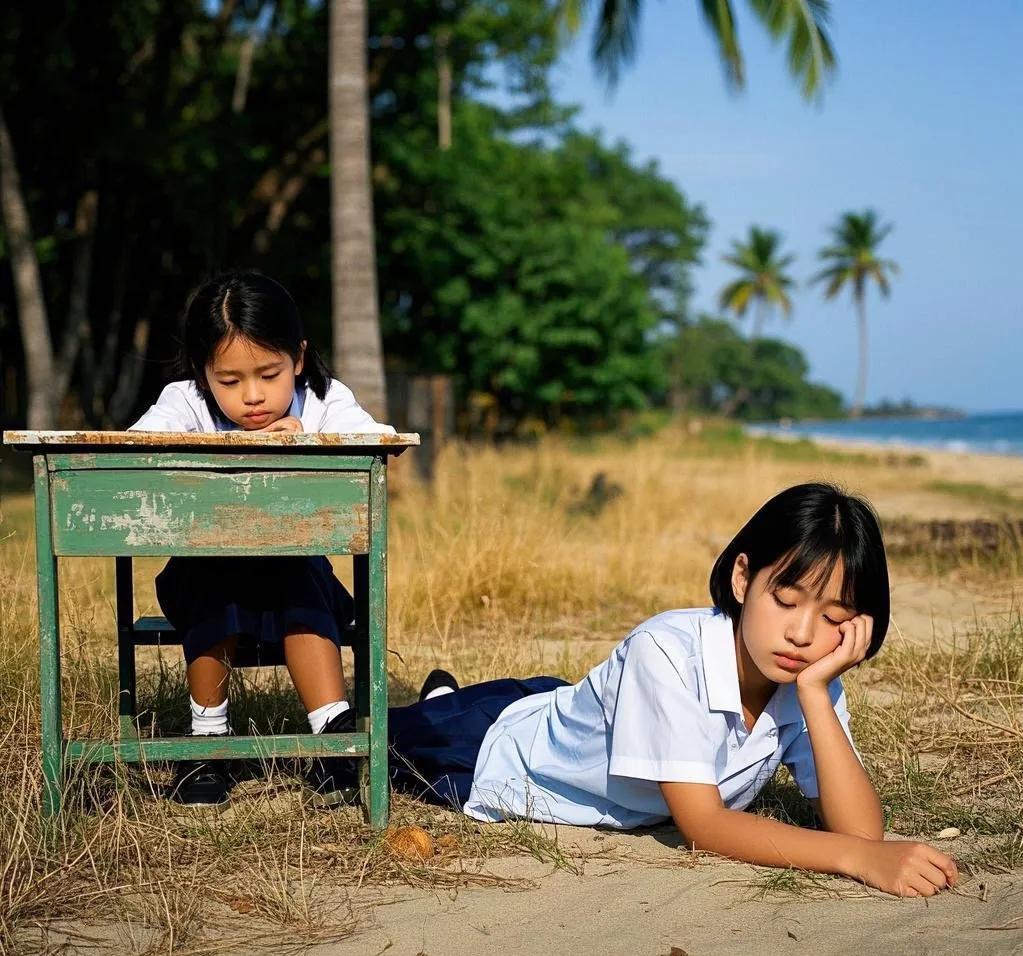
803,532
254,306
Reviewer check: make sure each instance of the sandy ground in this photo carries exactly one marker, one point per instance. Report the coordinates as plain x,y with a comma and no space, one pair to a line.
635,893
639,902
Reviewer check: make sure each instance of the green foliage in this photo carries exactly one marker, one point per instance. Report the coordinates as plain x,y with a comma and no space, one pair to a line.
539,269
710,367
530,260
536,263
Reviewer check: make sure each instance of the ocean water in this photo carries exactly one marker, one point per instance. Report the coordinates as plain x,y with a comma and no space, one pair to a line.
999,433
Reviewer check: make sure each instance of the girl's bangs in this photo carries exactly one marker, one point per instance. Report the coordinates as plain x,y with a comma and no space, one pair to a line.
811,566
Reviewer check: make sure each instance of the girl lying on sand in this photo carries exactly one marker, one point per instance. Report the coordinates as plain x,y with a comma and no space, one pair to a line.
693,712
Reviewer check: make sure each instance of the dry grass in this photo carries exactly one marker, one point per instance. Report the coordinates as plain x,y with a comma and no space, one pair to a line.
505,566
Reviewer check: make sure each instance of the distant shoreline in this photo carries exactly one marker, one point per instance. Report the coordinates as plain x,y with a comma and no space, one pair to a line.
990,433
879,446
930,415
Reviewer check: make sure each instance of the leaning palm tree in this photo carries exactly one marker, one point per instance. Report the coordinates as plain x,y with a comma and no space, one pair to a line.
764,283
853,260
802,22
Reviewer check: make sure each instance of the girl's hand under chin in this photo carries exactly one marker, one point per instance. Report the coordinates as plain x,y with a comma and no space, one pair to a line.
287,424
852,648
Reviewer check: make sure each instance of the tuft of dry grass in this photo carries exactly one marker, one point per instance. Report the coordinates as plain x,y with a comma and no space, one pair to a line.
507,565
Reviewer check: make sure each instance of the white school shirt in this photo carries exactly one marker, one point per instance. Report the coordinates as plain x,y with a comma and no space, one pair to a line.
182,408
663,707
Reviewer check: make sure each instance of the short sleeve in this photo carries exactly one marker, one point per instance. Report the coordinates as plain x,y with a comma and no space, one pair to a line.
171,413
342,413
798,756
660,729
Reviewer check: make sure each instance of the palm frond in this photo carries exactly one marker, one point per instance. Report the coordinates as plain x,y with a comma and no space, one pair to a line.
835,276
775,293
614,45
720,20
881,279
737,296
805,24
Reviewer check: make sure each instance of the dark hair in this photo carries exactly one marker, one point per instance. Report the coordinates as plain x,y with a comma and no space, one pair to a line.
805,530
252,305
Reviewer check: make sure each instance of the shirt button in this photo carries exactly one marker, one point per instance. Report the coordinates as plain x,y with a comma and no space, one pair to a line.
773,732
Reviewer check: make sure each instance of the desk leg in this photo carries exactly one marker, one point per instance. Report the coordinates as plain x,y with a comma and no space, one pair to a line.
124,586
376,807
360,644
49,645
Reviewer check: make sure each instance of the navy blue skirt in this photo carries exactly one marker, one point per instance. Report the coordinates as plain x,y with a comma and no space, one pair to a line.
260,599
434,743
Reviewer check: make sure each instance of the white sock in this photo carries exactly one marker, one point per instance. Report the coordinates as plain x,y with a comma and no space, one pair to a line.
209,720
319,718
439,692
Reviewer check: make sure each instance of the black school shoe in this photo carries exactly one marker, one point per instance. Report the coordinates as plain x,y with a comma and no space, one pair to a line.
435,679
201,783
334,781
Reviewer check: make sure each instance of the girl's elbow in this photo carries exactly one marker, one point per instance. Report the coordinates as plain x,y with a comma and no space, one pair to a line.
703,833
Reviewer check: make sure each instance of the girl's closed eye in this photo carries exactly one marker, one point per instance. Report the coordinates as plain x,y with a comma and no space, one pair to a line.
780,602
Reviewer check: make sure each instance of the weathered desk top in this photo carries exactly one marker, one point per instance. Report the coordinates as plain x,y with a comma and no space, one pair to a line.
71,441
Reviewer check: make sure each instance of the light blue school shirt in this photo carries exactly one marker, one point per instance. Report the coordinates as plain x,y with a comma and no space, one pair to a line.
663,707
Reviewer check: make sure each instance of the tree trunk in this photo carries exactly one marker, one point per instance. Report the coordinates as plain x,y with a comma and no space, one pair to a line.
101,373
28,288
133,369
77,331
243,74
861,377
759,315
358,356
443,90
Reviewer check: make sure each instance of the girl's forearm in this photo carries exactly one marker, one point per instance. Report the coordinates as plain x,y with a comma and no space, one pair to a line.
752,839
848,801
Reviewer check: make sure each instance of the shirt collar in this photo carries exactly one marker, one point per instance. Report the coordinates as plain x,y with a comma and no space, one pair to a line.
721,675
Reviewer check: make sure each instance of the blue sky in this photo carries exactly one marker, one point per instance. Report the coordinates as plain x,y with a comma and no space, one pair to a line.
922,121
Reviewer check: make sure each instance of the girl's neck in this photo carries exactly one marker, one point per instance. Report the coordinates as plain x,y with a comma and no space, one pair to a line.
755,690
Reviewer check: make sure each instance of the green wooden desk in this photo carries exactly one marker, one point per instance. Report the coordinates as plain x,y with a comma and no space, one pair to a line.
124,494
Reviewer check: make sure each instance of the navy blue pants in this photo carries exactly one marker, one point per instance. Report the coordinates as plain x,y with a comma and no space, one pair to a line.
434,743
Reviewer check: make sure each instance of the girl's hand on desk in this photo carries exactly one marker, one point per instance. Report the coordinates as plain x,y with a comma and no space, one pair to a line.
905,868
287,424
852,648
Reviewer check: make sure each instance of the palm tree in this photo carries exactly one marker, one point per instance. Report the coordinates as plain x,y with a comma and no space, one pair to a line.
358,355
763,283
853,260
802,22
